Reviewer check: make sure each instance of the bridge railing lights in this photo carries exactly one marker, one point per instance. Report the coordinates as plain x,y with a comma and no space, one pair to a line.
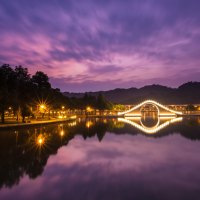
151,102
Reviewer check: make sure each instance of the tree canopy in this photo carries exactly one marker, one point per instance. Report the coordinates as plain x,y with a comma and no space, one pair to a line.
22,91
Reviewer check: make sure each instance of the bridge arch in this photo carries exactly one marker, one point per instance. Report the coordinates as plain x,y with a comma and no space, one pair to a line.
135,111
157,108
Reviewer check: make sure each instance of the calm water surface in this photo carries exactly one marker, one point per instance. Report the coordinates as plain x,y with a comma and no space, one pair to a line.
102,159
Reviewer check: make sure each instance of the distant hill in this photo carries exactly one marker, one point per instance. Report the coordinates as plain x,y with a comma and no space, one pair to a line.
188,93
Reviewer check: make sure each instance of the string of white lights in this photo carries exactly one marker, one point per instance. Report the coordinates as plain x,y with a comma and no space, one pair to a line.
153,103
151,130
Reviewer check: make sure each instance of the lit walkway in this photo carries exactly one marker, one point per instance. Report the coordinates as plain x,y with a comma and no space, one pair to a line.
35,122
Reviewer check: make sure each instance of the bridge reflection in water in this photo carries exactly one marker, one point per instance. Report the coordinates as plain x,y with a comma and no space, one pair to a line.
160,123
24,152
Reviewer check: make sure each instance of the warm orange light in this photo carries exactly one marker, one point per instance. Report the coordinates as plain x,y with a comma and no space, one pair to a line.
88,109
40,140
42,106
88,124
61,133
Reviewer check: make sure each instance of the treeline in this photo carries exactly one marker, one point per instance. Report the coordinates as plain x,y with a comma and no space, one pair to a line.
23,91
95,102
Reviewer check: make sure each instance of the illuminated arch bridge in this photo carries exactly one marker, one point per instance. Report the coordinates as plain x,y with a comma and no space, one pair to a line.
161,109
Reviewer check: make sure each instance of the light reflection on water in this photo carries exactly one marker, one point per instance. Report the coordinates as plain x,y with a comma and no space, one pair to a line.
101,159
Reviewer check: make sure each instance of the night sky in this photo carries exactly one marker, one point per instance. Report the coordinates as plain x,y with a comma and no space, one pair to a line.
89,45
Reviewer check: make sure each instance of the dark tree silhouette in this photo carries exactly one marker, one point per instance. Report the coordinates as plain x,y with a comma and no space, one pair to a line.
102,103
7,87
41,80
23,91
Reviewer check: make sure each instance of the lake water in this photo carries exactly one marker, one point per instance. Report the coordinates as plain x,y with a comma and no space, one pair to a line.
102,159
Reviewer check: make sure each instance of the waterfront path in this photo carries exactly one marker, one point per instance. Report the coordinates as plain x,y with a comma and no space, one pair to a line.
34,122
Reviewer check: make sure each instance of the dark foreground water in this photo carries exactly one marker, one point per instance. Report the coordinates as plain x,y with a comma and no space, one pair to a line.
102,159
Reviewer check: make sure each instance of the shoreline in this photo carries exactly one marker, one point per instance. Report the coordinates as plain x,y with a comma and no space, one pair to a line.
34,123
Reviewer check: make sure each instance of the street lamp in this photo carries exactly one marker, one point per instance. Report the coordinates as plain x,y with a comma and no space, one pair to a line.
88,109
42,109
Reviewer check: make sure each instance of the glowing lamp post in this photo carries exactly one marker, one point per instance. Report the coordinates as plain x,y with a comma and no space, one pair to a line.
88,110
42,109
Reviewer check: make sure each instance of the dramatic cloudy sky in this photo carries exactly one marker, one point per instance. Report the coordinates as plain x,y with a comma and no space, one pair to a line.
87,45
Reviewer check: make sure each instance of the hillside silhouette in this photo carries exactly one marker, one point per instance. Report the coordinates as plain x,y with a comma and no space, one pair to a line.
188,93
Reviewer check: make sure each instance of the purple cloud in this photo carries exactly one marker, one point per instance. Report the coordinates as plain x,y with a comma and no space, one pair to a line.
125,44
